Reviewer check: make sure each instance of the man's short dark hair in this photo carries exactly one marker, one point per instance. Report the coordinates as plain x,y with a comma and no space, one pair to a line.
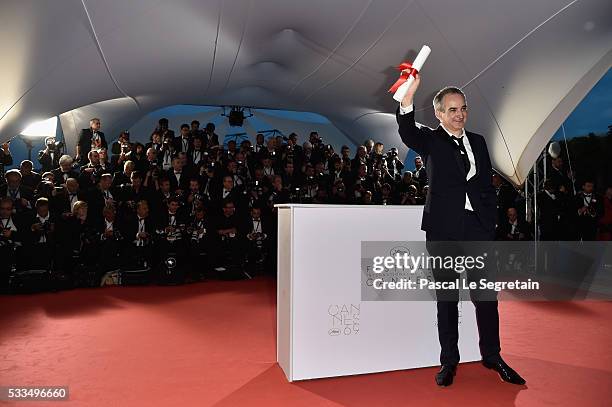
184,126
41,202
449,90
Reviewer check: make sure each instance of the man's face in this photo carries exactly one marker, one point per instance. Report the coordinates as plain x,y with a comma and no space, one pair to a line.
588,187
256,213
173,206
136,182
418,162
259,139
337,165
197,142
289,168
95,158
278,182
345,152
228,210
177,164
185,131
194,186
26,168
151,154
95,125
65,166
195,126
142,211
13,181
232,167
102,156
454,116
105,182
512,215
42,211
6,209
165,186
72,185
228,183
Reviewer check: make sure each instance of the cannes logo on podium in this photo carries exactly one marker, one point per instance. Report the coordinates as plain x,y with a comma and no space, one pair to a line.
344,319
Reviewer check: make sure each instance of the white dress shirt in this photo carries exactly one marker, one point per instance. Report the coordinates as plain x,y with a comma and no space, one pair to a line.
42,221
466,144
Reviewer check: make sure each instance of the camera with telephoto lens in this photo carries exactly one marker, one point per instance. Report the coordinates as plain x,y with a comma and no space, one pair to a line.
54,145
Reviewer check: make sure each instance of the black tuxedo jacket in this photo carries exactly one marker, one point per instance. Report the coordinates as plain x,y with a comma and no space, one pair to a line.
58,176
175,184
178,144
84,143
60,203
445,201
47,163
33,237
130,228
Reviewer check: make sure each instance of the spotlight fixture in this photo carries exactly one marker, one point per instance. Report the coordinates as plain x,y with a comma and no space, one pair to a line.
236,115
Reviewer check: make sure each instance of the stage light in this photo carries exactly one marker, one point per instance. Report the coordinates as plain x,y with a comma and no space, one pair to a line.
236,117
44,128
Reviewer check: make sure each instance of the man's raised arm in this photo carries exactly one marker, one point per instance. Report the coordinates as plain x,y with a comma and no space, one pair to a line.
414,137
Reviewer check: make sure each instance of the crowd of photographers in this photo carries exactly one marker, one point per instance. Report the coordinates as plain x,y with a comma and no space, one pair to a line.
183,205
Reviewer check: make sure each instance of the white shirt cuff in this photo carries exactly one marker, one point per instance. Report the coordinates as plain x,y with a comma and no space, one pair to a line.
406,110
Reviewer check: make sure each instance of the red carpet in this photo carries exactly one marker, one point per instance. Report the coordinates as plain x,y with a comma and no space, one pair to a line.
213,343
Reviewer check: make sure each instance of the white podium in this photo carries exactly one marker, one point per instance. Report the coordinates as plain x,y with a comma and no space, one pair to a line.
323,327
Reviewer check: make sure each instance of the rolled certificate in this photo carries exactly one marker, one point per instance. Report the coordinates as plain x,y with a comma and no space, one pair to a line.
401,86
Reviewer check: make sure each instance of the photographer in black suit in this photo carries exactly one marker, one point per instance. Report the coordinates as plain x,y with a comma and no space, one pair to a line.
460,206
49,157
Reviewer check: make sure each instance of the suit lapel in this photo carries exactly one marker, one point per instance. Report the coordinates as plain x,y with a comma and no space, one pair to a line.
473,147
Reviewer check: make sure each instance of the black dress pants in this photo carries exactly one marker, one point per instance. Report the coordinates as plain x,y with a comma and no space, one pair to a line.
487,317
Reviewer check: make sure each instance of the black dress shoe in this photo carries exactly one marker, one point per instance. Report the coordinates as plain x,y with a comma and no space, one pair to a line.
445,376
506,373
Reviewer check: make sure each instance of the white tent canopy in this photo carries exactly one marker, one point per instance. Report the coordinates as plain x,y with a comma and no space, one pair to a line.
524,65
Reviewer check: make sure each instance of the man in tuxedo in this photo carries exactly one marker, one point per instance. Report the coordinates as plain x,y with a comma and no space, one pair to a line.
513,228
62,202
29,178
460,206
39,241
65,171
589,208
183,143
88,139
178,176
139,232
210,137
21,196
420,172
49,157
